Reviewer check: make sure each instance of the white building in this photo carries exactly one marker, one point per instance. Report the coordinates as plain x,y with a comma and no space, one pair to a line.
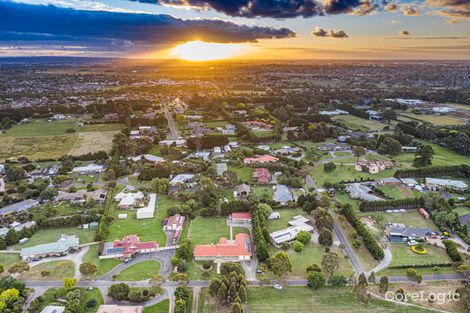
149,210
437,184
88,169
147,157
181,179
129,200
288,235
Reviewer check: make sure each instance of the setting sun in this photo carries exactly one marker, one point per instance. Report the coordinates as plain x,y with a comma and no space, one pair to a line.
206,51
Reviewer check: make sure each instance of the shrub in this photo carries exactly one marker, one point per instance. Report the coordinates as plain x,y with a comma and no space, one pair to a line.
356,243
298,246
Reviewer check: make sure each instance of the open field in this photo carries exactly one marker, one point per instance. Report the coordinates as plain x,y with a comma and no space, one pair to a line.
8,259
207,230
104,266
52,294
303,299
243,173
359,124
399,192
264,192
53,234
439,120
146,229
402,255
442,156
41,139
139,271
312,254
214,124
345,173
409,218
58,271
93,142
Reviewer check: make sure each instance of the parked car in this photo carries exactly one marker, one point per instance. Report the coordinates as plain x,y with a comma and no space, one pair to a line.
278,287
258,271
412,243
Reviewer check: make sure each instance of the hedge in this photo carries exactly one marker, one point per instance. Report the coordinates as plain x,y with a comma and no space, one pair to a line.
372,245
374,206
452,170
404,266
451,249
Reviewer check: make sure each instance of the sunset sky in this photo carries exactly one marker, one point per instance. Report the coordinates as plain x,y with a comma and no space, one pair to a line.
252,29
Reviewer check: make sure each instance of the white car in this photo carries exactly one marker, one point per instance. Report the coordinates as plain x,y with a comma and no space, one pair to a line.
412,243
278,287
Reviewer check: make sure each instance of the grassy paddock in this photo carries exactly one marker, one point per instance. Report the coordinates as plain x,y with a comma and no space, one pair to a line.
207,230
139,271
161,307
58,271
53,234
52,294
104,266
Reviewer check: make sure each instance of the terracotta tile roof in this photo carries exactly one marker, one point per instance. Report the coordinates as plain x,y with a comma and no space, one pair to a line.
240,247
241,215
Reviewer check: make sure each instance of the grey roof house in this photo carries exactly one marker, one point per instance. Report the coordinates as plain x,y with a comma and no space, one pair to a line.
282,194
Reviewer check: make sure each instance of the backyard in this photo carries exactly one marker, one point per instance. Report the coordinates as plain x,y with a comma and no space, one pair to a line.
53,234
207,230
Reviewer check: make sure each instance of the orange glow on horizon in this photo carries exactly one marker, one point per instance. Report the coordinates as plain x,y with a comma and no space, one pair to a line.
206,51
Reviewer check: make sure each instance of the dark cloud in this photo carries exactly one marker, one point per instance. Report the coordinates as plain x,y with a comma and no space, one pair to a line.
404,33
452,8
340,6
391,7
410,11
39,23
320,32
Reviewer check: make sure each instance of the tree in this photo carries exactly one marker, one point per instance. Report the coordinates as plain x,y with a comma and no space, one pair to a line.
315,280
413,275
69,283
371,278
12,237
383,285
264,209
182,292
359,151
298,246
3,244
313,268
329,167
338,281
280,264
161,186
423,156
49,194
330,262
13,172
157,280
362,280
326,237
180,306
361,293
304,237
222,293
389,145
88,268
236,308
119,291
389,115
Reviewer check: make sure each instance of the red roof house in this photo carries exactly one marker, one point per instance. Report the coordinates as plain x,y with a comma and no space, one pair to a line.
240,216
261,175
131,244
226,250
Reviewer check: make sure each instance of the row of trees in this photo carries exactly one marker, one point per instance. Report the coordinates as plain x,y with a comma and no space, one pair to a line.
375,206
230,289
371,243
462,170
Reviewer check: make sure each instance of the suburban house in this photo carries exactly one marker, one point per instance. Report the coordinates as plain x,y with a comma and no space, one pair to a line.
177,142
114,308
388,181
149,210
81,195
282,194
438,184
148,158
266,158
88,169
288,235
19,207
126,247
174,222
241,191
53,309
257,125
182,179
373,166
261,175
221,168
225,250
61,247
129,200
397,232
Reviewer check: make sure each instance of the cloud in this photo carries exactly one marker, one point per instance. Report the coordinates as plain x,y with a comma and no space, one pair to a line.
404,33
115,30
410,11
320,32
457,9
391,7
365,8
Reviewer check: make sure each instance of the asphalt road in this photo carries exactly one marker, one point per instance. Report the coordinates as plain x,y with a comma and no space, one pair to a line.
171,124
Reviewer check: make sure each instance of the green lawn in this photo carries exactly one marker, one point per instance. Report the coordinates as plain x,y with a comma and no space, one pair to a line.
161,307
359,124
207,230
285,216
53,294
303,299
53,234
104,266
462,210
263,133
345,173
264,192
422,271
146,229
343,197
41,127
409,218
8,259
58,271
399,192
312,254
214,124
442,156
139,271
402,255
243,173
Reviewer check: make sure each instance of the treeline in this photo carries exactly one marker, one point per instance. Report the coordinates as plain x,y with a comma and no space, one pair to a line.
103,228
207,142
425,265
451,249
260,233
372,245
375,206
462,170
353,111
66,221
